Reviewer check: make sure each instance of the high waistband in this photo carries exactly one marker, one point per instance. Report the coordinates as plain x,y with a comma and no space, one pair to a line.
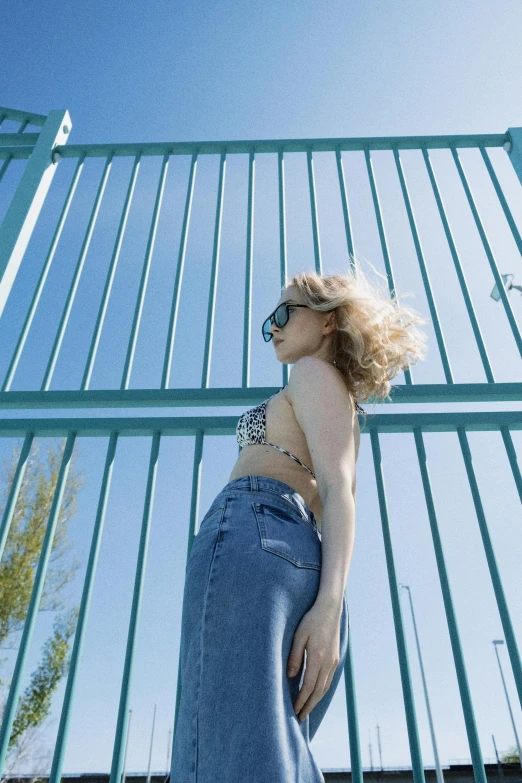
256,483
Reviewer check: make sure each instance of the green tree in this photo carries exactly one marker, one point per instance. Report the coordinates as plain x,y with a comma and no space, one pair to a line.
17,571
510,756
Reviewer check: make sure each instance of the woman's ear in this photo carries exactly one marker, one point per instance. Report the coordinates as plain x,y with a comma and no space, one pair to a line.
331,322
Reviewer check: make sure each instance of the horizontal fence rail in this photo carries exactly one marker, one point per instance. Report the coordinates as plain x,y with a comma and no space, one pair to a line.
276,145
226,425
225,396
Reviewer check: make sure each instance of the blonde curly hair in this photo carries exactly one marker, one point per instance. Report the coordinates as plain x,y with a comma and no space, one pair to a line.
376,336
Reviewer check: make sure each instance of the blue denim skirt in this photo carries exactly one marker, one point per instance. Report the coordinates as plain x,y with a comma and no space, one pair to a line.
252,573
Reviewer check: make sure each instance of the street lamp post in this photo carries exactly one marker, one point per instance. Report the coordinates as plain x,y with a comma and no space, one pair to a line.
499,764
438,770
124,771
151,743
168,750
495,643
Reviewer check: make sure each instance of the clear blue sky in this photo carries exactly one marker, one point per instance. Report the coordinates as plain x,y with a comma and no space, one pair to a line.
129,72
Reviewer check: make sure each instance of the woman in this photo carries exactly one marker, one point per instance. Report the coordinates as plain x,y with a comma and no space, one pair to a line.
266,574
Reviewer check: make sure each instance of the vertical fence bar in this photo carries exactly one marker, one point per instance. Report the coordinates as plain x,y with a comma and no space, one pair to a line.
283,261
378,217
23,125
138,310
313,210
356,768
5,165
68,699
346,208
102,309
247,312
9,156
139,581
22,213
194,512
423,270
14,489
382,236
173,317
214,273
407,688
512,457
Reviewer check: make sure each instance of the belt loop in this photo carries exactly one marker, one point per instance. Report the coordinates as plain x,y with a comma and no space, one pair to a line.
253,482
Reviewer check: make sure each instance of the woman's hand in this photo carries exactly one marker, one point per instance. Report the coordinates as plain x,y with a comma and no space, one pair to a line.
320,633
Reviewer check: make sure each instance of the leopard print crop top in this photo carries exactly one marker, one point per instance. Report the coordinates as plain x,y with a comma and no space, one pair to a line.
251,429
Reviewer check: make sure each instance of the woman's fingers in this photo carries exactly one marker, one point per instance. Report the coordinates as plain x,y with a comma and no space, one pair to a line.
308,686
315,685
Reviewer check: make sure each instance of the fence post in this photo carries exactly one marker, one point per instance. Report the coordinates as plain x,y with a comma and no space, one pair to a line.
515,150
25,206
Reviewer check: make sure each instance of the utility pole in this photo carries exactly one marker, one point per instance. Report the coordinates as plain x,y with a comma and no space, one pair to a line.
379,744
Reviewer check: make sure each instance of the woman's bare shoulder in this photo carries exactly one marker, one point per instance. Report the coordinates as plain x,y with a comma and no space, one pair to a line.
321,402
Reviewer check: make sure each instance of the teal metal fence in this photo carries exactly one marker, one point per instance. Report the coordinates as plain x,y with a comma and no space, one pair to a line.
39,158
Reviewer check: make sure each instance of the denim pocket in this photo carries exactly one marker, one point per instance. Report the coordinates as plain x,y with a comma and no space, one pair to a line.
283,534
215,513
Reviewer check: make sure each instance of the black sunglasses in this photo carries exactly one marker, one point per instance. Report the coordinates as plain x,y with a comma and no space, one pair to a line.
280,317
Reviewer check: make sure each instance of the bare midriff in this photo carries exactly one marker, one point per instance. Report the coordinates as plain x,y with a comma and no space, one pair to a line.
283,430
